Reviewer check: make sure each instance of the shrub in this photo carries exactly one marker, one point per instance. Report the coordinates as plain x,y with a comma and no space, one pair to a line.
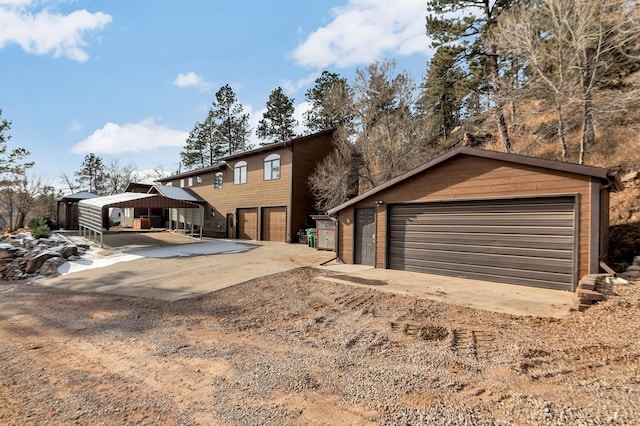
39,227
624,245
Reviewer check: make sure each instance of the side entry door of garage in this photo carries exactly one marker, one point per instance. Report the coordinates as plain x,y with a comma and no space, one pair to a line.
528,241
365,243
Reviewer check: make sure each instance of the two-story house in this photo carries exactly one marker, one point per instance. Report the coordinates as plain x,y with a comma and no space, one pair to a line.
261,194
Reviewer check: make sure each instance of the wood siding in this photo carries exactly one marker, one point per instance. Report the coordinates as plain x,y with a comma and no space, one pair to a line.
291,190
467,178
306,154
257,192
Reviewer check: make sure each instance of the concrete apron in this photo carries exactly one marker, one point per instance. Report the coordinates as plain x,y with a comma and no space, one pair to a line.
504,298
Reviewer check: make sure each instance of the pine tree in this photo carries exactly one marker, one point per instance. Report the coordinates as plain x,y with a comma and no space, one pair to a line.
277,124
203,147
465,24
92,174
331,103
230,126
224,131
192,156
443,90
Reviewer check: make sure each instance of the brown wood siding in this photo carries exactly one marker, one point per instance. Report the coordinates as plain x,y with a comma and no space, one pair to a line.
256,192
290,191
274,224
469,177
248,224
307,154
345,235
604,225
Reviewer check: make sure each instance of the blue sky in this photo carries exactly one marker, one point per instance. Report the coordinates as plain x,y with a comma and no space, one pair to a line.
127,80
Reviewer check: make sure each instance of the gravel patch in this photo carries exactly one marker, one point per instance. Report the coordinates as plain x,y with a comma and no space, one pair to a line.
288,350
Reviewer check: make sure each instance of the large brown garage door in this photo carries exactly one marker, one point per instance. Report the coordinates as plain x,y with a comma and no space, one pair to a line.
274,224
516,241
248,224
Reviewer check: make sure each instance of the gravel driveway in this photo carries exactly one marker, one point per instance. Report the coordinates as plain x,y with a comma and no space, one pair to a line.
288,350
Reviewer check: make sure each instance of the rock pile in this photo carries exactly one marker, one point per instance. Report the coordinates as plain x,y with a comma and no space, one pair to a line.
633,271
23,257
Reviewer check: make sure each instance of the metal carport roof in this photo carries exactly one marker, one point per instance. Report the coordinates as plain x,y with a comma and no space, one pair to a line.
91,211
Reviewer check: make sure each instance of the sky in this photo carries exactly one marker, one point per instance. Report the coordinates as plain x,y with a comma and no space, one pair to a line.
127,79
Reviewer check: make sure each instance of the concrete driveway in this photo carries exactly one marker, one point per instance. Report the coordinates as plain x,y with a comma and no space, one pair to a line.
170,267
505,298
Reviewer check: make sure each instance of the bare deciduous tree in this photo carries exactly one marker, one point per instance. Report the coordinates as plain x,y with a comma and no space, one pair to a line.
386,138
118,178
335,179
570,46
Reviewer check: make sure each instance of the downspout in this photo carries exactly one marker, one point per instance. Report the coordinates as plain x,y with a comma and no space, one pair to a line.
290,213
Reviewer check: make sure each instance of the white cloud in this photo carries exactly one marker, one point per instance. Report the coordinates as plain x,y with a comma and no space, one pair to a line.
254,119
74,127
293,86
146,135
192,79
298,114
364,31
15,3
45,32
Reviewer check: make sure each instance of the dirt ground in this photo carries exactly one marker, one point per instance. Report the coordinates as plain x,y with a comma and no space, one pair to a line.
286,349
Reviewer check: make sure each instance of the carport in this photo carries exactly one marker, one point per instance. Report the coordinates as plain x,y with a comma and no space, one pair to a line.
93,214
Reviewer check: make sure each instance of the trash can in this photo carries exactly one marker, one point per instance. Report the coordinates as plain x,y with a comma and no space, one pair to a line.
311,237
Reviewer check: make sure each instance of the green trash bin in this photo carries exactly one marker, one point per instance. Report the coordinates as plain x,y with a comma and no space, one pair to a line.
311,237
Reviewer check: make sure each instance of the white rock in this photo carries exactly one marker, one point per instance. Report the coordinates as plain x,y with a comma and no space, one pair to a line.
616,280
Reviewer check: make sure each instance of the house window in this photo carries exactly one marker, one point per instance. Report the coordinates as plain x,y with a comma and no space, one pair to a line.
272,167
217,181
190,181
181,183
198,179
240,173
169,183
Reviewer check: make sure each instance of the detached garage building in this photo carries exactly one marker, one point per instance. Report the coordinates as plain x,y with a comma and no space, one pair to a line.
484,215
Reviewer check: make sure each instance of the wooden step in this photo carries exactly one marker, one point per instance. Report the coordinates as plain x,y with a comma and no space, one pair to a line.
585,294
579,305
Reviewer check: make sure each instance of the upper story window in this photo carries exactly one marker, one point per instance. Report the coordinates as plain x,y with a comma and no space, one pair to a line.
217,181
240,173
181,183
272,167
190,181
169,183
198,179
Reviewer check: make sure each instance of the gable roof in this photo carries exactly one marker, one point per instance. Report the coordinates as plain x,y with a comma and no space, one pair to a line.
135,199
174,193
610,178
82,195
132,186
222,162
